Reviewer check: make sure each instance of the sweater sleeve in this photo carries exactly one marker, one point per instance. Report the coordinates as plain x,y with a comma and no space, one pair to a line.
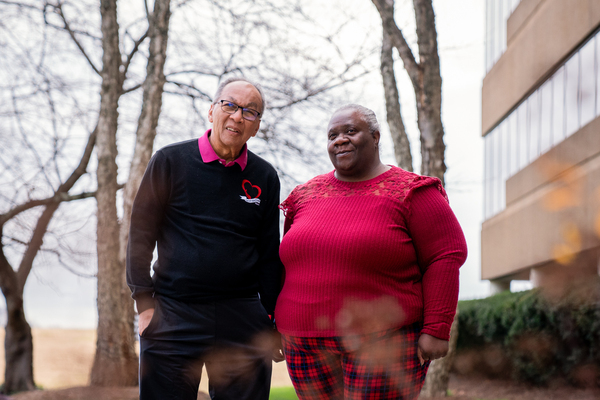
268,248
441,250
146,217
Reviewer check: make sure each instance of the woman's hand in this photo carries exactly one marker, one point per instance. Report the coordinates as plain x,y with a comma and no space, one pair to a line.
431,348
278,355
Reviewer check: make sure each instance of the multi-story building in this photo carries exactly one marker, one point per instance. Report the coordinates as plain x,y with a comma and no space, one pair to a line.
541,128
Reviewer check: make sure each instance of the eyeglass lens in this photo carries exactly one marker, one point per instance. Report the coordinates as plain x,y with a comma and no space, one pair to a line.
231,108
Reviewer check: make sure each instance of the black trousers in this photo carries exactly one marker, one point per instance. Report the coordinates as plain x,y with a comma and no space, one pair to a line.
230,337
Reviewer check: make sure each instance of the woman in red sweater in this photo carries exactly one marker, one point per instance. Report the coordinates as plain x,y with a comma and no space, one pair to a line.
371,255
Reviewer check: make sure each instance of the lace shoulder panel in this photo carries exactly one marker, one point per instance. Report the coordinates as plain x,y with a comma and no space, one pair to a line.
301,193
396,184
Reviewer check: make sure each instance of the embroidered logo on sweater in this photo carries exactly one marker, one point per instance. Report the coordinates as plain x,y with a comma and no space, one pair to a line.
250,190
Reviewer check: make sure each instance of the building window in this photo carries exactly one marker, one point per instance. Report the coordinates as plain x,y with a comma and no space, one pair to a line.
587,87
564,103
497,13
546,116
572,94
558,106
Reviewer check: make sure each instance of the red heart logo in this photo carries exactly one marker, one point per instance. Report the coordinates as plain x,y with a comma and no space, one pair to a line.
251,185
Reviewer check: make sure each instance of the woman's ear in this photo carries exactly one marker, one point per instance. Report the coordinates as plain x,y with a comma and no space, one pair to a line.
377,136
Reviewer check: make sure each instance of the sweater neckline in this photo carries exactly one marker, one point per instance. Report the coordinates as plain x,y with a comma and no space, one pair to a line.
336,181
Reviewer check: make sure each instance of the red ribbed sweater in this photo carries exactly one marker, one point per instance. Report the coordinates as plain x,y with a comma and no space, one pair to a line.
369,255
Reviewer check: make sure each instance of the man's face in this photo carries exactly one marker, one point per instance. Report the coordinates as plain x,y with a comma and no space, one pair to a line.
231,131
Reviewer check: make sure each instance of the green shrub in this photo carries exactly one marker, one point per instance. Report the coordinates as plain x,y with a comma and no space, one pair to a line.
543,338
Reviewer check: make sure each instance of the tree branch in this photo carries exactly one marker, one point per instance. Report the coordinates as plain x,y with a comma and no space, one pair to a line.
320,90
192,71
60,194
188,90
136,47
392,106
57,198
132,89
19,4
64,264
67,27
386,12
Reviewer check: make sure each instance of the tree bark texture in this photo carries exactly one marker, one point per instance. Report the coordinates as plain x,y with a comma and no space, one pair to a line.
392,106
425,78
438,375
146,132
115,361
429,105
18,345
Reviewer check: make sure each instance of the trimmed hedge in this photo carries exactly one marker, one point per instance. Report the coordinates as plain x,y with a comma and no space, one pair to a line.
542,338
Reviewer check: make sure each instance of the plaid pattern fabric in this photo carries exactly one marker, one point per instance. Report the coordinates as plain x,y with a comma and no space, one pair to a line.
382,365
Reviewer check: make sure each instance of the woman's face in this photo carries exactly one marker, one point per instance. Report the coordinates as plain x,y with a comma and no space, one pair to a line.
351,146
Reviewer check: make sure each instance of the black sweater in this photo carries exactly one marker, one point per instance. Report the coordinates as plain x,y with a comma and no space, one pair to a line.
215,239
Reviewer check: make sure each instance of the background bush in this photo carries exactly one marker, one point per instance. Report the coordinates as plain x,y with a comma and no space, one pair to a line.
542,337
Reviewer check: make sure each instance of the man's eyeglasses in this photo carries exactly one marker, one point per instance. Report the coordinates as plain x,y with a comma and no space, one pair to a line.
231,108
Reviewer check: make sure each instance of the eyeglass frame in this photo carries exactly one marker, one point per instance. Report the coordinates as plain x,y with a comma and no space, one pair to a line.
237,107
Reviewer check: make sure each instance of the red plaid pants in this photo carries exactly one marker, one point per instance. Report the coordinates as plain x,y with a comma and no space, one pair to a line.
382,365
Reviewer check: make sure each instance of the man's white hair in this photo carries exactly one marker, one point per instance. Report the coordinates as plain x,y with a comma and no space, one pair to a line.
240,79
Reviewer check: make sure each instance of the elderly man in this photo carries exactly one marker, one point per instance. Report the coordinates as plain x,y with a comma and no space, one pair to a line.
209,205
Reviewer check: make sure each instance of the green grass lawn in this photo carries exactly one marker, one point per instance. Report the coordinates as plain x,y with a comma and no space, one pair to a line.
283,393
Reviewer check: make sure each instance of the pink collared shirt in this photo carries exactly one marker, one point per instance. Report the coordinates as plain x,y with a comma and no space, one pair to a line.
208,153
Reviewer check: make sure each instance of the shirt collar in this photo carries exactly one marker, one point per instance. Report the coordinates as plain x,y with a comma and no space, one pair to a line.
208,153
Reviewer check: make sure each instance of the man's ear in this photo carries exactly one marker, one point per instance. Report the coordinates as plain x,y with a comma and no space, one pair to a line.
257,128
210,113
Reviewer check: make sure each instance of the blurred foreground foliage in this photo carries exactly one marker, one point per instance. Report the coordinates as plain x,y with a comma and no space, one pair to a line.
533,337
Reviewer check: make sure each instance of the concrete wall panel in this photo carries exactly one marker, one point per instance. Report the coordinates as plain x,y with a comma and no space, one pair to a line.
555,222
548,33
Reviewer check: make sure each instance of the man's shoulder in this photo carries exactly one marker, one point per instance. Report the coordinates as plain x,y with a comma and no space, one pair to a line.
176,149
258,162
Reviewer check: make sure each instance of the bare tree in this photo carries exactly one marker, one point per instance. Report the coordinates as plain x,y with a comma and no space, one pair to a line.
18,344
146,132
39,169
426,80
115,362
425,77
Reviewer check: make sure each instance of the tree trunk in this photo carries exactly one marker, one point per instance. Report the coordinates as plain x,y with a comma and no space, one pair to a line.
436,382
148,121
115,362
429,94
392,106
146,132
425,78
18,347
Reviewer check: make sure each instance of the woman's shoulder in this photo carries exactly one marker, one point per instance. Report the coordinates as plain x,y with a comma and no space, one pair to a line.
313,188
400,183
313,184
